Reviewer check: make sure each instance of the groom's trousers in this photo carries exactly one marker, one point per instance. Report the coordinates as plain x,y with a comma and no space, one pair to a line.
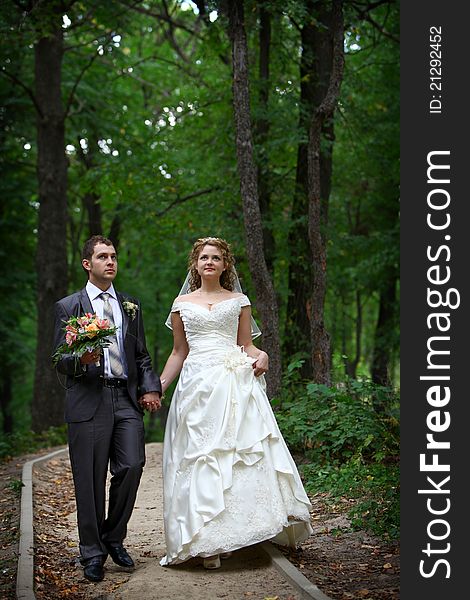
115,435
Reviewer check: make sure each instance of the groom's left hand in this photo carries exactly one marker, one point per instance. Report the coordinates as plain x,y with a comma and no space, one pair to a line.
150,401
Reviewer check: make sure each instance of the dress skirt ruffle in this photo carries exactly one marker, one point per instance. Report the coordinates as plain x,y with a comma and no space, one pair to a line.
229,479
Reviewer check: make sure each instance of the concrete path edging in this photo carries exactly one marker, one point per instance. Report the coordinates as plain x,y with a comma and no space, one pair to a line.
25,569
307,589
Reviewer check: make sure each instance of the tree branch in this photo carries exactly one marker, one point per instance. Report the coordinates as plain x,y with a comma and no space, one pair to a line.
368,6
162,17
364,10
180,200
85,68
124,71
23,86
77,81
381,28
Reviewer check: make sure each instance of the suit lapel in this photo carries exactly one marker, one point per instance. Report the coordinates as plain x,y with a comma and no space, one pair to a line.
125,318
85,302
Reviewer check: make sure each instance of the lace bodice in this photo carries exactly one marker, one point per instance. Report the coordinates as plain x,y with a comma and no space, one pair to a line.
216,327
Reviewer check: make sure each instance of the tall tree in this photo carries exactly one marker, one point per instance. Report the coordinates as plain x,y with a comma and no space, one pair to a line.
18,218
317,213
51,253
265,294
316,37
261,132
364,212
149,142
385,330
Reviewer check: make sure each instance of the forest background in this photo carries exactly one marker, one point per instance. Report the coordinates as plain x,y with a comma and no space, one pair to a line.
272,124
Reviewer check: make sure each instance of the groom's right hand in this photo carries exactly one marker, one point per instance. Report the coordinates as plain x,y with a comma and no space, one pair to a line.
89,357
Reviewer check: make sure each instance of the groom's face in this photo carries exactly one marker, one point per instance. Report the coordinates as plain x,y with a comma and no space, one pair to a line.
102,267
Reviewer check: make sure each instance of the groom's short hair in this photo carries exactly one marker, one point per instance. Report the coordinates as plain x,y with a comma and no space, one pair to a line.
90,244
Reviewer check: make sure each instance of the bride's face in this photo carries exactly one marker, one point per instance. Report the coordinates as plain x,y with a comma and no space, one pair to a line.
210,263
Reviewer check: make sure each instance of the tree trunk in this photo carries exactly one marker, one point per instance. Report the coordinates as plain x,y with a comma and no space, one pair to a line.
91,203
265,294
91,200
386,321
351,365
5,400
315,72
115,229
261,131
51,256
317,213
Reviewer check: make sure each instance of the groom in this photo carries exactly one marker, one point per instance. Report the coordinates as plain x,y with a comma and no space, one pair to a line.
104,410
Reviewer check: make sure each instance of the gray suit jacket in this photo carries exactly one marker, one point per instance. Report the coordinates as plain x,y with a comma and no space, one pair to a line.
84,386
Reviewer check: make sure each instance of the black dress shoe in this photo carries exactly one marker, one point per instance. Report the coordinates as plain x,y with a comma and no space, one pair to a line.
93,569
120,556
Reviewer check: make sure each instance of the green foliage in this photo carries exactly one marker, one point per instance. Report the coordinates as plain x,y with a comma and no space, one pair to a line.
14,444
349,438
18,213
341,423
154,430
363,229
150,136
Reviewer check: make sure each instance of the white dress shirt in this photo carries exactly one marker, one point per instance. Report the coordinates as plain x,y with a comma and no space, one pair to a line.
98,306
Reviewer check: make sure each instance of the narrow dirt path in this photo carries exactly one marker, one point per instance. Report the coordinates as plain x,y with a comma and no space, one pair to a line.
346,565
248,574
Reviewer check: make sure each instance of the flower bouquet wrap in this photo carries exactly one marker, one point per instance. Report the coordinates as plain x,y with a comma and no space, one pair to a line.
84,334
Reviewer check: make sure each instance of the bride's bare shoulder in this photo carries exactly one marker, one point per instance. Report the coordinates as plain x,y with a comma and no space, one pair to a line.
230,295
184,297
227,295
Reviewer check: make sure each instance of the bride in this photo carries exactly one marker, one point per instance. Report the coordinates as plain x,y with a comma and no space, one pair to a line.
229,479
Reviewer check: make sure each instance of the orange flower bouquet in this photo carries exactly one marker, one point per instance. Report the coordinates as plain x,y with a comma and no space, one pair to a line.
84,334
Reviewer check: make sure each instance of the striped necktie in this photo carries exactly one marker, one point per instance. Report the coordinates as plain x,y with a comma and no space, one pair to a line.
113,350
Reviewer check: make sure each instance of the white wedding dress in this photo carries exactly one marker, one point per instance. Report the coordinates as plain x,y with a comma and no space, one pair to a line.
229,479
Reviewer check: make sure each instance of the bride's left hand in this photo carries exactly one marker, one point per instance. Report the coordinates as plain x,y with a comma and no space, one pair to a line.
261,364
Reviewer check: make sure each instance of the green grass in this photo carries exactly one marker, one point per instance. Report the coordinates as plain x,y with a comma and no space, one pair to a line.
15,486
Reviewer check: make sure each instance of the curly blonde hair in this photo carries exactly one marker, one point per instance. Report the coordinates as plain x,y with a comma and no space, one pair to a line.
227,279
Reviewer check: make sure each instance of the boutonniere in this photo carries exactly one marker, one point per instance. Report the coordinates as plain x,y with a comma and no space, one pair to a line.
130,308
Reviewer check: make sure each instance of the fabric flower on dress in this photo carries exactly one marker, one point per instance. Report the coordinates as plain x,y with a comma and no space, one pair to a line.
237,358
131,308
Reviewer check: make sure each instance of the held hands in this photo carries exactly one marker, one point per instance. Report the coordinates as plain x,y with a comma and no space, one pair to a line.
151,401
261,364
